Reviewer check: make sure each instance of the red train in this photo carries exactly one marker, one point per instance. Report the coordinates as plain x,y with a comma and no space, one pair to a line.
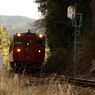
27,50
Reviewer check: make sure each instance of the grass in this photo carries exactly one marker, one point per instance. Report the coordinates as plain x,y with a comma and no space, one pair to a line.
9,86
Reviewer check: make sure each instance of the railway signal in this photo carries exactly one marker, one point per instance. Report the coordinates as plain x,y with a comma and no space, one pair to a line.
76,23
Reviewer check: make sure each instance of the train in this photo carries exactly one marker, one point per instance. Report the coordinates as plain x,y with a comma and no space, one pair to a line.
27,51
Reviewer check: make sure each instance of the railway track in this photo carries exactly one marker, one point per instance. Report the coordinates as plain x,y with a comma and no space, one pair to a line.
45,78
61,79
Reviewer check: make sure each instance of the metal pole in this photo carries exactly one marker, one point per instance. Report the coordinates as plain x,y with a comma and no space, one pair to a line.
75,40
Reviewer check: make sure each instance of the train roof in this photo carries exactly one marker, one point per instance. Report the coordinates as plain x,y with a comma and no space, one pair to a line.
28,34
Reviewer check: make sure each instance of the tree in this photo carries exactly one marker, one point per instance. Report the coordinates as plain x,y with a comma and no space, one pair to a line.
4,43
58,26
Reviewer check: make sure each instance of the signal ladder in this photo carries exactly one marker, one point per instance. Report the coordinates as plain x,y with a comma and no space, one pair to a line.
77,45
77,25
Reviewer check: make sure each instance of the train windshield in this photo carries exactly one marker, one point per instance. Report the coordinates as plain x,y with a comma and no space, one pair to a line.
19,40
39,41
29,42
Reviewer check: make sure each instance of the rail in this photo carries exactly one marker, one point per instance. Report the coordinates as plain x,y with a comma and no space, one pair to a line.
73,81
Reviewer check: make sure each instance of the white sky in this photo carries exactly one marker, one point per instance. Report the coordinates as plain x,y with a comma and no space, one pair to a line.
19,7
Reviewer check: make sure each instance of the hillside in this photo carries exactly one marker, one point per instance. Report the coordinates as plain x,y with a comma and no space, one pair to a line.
15,23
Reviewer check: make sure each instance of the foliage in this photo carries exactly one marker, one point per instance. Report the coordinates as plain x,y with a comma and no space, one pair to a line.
60,33
59,30
4,44
58,61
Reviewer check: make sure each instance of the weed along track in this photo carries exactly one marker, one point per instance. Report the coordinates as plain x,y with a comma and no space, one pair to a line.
44,84
42,78
61,79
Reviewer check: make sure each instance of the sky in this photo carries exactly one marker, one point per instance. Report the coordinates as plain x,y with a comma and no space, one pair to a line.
20,7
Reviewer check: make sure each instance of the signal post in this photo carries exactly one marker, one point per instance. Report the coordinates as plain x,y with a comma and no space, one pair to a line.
76,23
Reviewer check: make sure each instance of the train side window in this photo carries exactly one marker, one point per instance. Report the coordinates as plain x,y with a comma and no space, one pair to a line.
29,42
39,42
19,40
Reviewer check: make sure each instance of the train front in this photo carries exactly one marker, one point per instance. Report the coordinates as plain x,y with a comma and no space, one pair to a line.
19,49
28,50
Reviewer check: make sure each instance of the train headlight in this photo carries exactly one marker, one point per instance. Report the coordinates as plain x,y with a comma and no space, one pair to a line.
39,51
18,34
40,35
18,50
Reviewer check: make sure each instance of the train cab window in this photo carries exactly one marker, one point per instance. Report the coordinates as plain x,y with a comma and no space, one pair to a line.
19,40
29,42
39,42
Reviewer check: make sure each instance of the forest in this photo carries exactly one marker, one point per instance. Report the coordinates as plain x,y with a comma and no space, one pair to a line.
15,23
59,30
60,36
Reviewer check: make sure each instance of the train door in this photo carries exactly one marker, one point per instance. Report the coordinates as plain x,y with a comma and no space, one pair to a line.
29,50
